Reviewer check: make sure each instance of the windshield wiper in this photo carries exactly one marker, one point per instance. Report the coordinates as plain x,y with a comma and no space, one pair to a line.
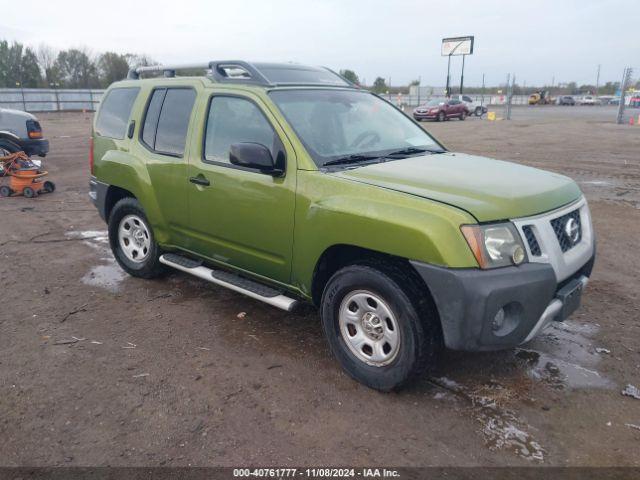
411,151
350,159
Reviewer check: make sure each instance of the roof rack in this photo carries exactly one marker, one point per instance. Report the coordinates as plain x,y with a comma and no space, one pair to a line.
263,74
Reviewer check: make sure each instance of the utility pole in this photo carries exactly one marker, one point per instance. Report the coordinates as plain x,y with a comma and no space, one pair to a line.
597,80
626,78
482,98
419,86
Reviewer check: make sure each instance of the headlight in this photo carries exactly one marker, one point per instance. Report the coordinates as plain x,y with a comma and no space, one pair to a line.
497,245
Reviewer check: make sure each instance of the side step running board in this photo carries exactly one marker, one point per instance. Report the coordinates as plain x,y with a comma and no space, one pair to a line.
231,281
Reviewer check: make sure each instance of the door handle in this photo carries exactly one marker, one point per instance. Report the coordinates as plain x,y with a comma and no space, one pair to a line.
200,180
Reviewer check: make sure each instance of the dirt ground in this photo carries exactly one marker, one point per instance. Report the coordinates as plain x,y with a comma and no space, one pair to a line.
98,368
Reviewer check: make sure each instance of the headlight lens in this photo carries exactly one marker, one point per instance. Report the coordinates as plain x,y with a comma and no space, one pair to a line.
497,245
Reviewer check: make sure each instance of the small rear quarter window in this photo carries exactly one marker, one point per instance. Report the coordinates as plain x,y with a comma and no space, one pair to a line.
115,111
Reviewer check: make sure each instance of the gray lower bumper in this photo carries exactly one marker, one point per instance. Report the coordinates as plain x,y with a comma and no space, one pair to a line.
469,299
98,195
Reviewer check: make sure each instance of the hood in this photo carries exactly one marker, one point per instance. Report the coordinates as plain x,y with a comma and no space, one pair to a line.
486,188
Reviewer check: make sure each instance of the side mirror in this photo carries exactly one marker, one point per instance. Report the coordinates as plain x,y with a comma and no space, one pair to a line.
254,155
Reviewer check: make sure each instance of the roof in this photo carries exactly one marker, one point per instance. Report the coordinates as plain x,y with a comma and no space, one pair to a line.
259,74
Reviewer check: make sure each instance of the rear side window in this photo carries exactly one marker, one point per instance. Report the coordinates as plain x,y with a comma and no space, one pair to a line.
167,120
235,120
115,111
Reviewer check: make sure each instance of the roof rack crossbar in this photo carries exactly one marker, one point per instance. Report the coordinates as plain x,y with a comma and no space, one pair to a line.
168,70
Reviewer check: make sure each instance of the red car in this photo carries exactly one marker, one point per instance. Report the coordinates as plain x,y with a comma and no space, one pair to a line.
441,110
635,101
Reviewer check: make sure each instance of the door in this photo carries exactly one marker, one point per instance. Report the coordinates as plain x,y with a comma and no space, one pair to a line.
240,216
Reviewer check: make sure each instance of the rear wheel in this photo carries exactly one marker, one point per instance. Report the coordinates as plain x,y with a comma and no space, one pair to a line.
441,117
132,241
381,333
29,192
463,115
5,191
49,187
478,111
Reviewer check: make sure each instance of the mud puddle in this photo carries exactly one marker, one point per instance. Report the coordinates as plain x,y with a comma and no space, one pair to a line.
565,356
108,274
500,427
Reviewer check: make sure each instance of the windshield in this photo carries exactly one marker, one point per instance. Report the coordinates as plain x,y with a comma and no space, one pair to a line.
338,123
434,103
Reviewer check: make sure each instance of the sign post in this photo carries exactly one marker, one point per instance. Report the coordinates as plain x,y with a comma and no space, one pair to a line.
456,46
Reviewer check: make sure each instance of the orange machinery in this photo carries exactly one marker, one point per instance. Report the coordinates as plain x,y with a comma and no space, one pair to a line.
25,177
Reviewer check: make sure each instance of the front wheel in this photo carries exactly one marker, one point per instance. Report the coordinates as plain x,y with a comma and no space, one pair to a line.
463,115
132,241
478,111
441,117
381,333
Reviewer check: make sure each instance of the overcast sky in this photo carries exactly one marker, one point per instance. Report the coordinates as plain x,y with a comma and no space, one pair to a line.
537,41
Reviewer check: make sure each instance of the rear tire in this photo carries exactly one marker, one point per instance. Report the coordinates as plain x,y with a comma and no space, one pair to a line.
362,306
463,115
132,241
29,192
5,191
441,117
478,111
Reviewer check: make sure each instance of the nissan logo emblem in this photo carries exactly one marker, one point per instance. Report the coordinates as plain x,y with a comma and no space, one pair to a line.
572,230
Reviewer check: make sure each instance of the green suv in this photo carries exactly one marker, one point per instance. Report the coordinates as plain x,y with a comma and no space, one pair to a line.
287,183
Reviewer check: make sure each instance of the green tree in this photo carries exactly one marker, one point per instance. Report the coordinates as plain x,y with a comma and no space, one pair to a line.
380,85
350,75
30,70
414,83
18,66
76,68
112,67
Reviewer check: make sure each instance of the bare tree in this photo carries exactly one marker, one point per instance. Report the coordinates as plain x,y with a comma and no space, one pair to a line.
47,62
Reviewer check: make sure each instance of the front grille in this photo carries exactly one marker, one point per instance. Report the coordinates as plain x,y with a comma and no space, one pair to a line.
534,246
559,227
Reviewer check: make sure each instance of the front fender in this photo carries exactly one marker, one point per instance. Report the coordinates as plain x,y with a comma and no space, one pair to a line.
334,211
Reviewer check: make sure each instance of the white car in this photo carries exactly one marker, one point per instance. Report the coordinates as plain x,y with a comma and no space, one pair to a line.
589,100
473,106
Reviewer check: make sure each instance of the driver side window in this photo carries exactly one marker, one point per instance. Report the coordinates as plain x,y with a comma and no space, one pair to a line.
235,120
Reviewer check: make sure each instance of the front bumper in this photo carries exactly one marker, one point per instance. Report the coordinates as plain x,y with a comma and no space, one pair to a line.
469,299
425,116
39,147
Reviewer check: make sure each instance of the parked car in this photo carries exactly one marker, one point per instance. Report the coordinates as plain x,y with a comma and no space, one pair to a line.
566,100
474,107
441,110
21,131
614,101
634,101
589,100
286,184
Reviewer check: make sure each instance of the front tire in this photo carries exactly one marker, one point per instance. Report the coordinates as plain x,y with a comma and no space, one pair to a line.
132,241
382,334
441,117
